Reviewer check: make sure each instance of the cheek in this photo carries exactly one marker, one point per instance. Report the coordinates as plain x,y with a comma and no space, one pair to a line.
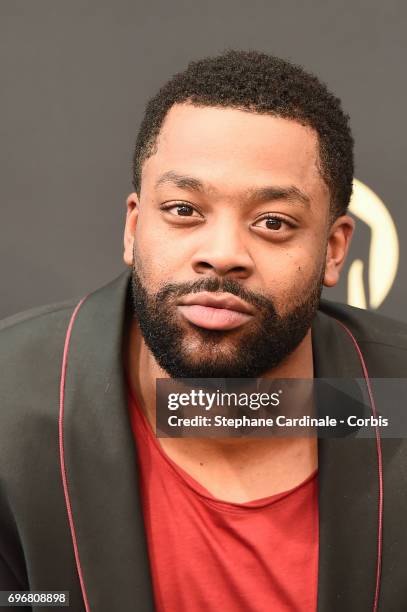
290,275
155,255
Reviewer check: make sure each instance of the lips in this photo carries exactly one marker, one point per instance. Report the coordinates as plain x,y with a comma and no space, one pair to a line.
210,311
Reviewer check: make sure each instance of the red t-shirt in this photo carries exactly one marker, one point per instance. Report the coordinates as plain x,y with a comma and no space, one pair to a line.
208,554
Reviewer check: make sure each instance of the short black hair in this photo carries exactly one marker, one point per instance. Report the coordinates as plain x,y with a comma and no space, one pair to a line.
265,84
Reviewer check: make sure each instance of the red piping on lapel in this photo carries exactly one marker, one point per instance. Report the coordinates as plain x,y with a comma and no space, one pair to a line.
380,468
62,454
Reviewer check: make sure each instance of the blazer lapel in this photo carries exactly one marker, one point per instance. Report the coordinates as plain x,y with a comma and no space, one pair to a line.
100,459
348,490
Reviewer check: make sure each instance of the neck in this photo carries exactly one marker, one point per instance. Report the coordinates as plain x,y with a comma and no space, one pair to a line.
278,463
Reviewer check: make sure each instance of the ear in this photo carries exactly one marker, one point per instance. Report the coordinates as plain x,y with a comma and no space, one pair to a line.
133,205
339,239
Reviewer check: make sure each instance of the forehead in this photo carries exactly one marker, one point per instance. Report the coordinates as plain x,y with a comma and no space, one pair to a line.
227,146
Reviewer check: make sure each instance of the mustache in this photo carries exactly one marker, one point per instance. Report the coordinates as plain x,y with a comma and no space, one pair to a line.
213,285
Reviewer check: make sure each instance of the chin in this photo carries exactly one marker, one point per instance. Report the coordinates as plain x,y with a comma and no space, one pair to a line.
197,347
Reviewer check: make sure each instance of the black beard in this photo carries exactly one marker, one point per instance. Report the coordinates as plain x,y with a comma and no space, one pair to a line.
261,348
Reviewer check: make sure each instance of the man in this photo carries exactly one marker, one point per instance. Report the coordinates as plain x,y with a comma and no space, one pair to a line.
243,173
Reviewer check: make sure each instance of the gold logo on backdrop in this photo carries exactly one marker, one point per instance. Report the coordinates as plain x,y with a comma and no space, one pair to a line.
383,250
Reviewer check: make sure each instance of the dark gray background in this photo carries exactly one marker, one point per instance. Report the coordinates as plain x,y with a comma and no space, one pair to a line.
75,76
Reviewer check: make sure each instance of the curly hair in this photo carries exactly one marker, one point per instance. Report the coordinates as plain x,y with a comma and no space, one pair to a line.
259,83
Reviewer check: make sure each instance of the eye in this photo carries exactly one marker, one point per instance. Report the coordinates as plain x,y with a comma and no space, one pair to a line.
273,223
181,209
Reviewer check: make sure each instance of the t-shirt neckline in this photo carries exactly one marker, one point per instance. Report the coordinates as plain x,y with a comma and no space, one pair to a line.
190,482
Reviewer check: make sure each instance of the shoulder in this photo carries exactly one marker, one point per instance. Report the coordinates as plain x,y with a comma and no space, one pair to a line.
31,350
34,316
367,325
41,326
383,340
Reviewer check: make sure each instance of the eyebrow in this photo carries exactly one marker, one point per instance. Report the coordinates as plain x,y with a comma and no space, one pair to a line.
180,180
290,194
255,195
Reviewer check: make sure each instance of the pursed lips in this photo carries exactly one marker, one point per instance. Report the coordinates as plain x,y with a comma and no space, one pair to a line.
222,311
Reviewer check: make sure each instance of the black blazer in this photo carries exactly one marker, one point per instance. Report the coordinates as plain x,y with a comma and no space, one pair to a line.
70,513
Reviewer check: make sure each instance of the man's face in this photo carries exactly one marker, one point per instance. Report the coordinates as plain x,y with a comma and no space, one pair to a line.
229,241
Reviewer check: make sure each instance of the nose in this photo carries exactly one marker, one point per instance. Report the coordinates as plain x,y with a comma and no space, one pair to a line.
223,251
